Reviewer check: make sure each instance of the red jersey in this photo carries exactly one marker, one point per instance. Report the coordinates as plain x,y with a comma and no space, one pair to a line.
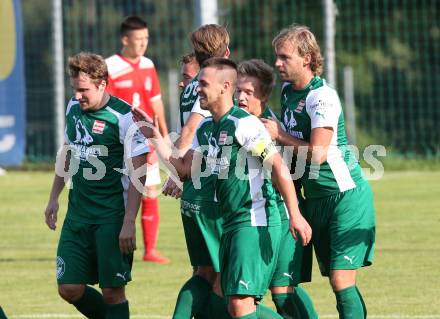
137,84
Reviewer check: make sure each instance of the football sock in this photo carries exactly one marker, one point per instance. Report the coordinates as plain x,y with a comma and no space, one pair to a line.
349,304
118,311
286,306
150,223
304,304
214,308
91,304
252,315
192,296
362,301
2,314
264,312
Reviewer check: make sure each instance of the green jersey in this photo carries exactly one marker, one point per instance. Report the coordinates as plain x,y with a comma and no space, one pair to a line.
317,105
97,140
268,113
233,150
189,103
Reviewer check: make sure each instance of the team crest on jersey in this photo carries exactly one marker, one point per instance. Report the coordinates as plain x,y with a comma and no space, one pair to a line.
223,138
98,127
61,267
300,106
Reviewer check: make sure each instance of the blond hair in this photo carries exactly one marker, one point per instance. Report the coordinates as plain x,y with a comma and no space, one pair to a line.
305,42
91,64
209,40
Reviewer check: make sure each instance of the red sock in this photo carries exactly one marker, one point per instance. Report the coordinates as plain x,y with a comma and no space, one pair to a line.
150,223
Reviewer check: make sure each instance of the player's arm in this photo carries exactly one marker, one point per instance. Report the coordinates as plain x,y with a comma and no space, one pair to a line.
159,111
180,166
51,212
127,236
281,178
185,140
320,139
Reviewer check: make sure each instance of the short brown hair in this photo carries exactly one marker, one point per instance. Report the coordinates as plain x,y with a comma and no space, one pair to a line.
209,40
263,72
305,42
188,58
132,23
222,64
91,64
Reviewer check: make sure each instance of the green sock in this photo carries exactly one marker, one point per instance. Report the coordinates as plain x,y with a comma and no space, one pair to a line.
349,304
363,302
286,306
264,312
2,314
192,296
215,307
91,304
304,304
252,315
118,311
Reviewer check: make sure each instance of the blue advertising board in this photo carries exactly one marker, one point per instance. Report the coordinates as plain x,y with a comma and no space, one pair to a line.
12,84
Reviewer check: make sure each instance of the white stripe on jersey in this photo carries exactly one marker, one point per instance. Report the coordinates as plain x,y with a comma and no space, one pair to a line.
339,168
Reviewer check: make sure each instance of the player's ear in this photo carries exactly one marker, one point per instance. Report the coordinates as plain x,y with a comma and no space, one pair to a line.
307,59
124,40
227,53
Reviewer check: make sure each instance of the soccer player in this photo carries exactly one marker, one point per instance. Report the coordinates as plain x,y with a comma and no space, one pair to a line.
200,217
255,82
189,70
98,236
234,145
339,201
133,78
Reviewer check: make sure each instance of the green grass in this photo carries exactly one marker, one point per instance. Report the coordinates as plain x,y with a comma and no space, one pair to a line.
404,280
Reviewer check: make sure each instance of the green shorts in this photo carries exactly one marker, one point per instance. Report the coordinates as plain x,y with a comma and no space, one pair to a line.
248,256
89,254
343,228
202,227
294,264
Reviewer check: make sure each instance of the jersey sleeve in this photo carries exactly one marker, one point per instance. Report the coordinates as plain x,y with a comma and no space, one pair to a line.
253,136
133,140
155,94
197,109
324,108
72,102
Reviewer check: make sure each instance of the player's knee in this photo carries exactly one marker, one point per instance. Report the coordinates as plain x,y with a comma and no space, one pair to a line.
71,293
342,279
207,273
241,305
113,296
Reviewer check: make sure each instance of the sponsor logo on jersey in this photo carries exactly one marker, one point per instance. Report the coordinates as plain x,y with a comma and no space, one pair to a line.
289,119
300,106
98,127
61,267
82,136
123,84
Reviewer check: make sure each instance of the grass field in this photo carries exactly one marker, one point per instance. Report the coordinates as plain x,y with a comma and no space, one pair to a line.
404,281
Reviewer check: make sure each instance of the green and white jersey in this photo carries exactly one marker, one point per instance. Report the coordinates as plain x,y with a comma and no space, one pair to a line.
234,149
97,139
268,113
318,105
189,103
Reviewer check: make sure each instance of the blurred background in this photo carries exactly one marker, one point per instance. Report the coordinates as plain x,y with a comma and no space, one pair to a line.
383,56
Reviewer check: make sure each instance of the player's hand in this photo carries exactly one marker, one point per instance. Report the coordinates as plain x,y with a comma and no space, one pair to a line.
127,237
273,127
300,227
51,213
149,127
171,188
